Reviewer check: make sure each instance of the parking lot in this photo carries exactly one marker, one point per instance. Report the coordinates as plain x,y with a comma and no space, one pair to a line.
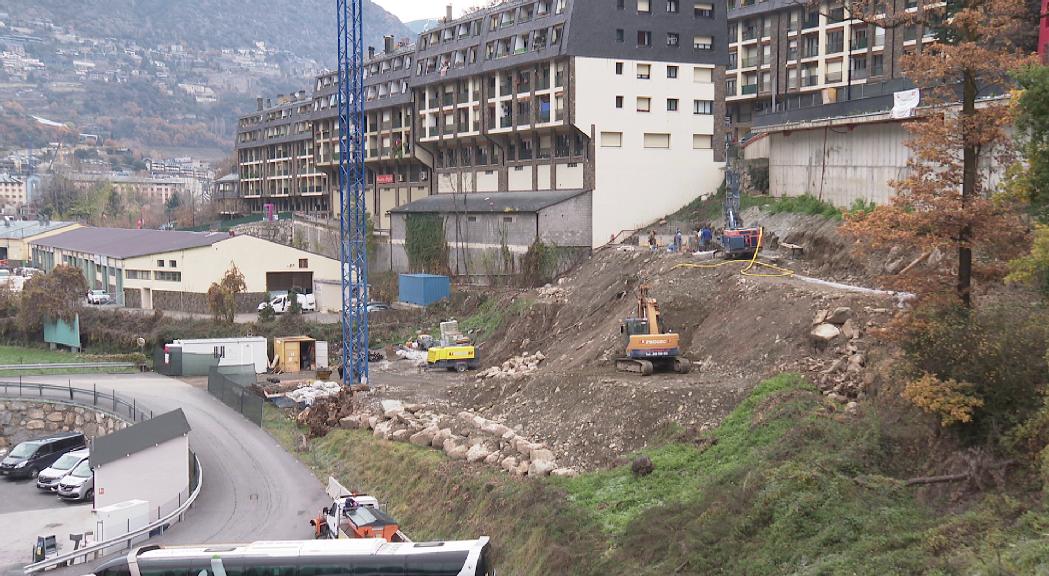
26,513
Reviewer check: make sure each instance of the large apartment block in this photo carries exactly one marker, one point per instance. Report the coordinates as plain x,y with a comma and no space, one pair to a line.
614,100
787,59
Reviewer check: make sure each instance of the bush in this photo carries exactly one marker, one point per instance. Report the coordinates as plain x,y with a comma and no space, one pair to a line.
267,314
804,204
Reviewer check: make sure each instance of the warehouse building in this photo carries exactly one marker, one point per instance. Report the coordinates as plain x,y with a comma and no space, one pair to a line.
171,270
15,236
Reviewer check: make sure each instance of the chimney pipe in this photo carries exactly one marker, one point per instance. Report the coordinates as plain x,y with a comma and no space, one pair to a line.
387,42
258,104
371,52
448,13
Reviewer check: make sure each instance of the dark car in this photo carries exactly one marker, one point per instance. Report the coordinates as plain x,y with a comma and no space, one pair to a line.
30,457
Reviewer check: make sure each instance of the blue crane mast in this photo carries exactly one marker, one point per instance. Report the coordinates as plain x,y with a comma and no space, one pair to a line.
353,253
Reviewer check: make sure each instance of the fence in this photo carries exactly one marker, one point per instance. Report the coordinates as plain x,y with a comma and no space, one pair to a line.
108,402
231,385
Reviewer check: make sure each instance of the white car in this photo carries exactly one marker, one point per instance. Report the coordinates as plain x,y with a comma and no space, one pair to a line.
78,484
307,303
98,297
49,478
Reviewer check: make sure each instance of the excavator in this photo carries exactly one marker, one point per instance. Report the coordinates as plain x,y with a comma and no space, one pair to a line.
648,348
737,241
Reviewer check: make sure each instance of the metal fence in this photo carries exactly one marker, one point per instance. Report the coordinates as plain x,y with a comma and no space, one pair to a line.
231,385
110,402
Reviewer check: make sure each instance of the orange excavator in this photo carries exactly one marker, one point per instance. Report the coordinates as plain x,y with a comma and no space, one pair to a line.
647,347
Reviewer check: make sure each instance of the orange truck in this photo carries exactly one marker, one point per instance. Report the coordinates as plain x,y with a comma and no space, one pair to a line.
354,515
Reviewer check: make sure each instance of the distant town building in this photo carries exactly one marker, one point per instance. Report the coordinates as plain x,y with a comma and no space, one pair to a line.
153,190
227,194
12,193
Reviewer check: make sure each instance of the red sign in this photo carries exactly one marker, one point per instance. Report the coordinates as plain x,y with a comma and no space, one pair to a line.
384,179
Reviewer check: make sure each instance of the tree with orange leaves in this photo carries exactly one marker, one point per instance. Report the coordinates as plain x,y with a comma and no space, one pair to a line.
945,199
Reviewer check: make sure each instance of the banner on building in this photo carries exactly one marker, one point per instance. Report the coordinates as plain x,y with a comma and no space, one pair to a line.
904,103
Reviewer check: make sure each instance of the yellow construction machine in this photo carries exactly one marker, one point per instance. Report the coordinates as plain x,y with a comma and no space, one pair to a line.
455,352
648,348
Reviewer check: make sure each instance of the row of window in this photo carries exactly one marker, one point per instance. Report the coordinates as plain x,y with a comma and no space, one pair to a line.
644,104
644,39
699,9
504,19
494,50
644,72
655,140
158,275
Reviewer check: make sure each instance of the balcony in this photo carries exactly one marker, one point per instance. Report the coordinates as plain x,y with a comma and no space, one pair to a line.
506,122
449,99
812,21
858,74
751,61
750,34
810,80
833,77
835,47
748,89
859,44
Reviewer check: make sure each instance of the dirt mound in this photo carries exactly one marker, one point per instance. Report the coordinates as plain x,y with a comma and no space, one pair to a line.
737,330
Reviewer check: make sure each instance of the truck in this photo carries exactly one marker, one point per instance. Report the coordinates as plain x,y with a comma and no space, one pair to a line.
354,515
455,351
281,302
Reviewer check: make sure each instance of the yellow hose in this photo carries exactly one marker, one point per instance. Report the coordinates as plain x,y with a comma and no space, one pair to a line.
750,264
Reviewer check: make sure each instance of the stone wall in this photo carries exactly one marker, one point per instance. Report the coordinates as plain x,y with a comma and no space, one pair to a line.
198,303
21,420
279,231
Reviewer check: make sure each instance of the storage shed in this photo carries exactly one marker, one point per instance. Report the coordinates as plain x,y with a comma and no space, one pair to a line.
423,289
296,354
195,357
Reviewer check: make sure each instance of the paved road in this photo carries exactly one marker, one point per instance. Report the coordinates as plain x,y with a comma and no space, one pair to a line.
27,512
253,489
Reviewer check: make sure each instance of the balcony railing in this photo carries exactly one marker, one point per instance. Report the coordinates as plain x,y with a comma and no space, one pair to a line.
835,47
833,77
810,80
506,122
859,43
751,61
750,33
749,89
811,22
858,74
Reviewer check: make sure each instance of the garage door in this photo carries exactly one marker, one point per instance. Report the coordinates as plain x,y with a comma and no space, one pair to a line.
301,281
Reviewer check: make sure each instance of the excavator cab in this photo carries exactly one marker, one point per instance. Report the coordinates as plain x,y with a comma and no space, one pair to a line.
633,326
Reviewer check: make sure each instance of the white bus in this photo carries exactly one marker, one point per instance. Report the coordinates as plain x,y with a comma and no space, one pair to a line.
348,557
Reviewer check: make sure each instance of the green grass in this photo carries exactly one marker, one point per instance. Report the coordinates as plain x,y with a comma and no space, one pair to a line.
24,355
711,209
490,316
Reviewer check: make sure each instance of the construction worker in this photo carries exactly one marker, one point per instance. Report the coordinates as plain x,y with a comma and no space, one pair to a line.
677,241
652,240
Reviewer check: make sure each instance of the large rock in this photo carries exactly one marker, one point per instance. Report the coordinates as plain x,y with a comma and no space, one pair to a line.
477,453
440,437
541,467
456,451
423,437
542,454
839,315
400,435
495,428
565,472
825,333
56,417
509,464
392,408
382,429
493,458
350,422
850,330
34,425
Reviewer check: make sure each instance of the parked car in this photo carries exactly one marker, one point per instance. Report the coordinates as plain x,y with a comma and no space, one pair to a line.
27,272
378,306
49,478
78,484
279,303
28,458
98,297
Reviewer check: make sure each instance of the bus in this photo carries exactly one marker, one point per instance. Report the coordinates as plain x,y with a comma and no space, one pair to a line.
347,557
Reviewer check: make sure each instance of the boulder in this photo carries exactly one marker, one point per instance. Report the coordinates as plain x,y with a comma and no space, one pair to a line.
56,417
825,333
642,466
522,468
400,435
542,454
477,453
35,425
423,437
440,437
382,429
350,422
565,472
493,459
839,315
495,428
457,452
509,464
541,467
820,318
850,330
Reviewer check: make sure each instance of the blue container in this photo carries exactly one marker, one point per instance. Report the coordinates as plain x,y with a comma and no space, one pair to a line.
423,289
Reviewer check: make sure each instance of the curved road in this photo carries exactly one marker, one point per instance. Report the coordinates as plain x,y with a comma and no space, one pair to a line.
253,489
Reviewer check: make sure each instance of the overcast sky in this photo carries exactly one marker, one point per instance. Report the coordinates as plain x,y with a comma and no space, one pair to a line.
408,10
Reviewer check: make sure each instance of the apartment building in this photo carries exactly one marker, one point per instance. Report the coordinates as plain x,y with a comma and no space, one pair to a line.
615,99
275,156
789,60
155,191
12,192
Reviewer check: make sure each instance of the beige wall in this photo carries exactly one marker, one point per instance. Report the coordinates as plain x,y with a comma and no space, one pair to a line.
157,475
18,249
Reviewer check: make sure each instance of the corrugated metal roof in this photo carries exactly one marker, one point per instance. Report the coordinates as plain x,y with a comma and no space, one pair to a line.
493,202
138,437
128,243
229,178
19,229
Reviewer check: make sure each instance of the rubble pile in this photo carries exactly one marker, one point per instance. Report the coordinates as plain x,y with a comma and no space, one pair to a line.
516,367
465,436
838,331
416,357
326,413
554,294
308,394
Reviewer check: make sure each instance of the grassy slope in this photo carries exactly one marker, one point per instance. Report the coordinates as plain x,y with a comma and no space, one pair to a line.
20,355
788,488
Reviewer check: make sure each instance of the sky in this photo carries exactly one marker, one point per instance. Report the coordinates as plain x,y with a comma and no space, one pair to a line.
408,10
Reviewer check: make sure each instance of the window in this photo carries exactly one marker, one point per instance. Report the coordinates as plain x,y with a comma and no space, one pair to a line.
702,107
620,4
672,104
620,37
644,38
671,71
619,101
136,274
701,74
703,43
619,67
171,264
701,141
644,71
160,263
644,104
611,139
304,263
508,219
643,6
653,140
471,218
168,276
673,39
703,10
672,6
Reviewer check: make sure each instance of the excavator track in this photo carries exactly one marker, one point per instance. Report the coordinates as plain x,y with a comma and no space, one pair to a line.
642,367
682,365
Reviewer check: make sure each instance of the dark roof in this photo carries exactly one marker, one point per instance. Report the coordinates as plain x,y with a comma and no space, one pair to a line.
128,243
489,202
138,437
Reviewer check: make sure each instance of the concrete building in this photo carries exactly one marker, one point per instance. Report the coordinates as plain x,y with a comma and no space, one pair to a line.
148,461
488,236
12,193
16,235
171,270
227,195
154,191
788,59
537,96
